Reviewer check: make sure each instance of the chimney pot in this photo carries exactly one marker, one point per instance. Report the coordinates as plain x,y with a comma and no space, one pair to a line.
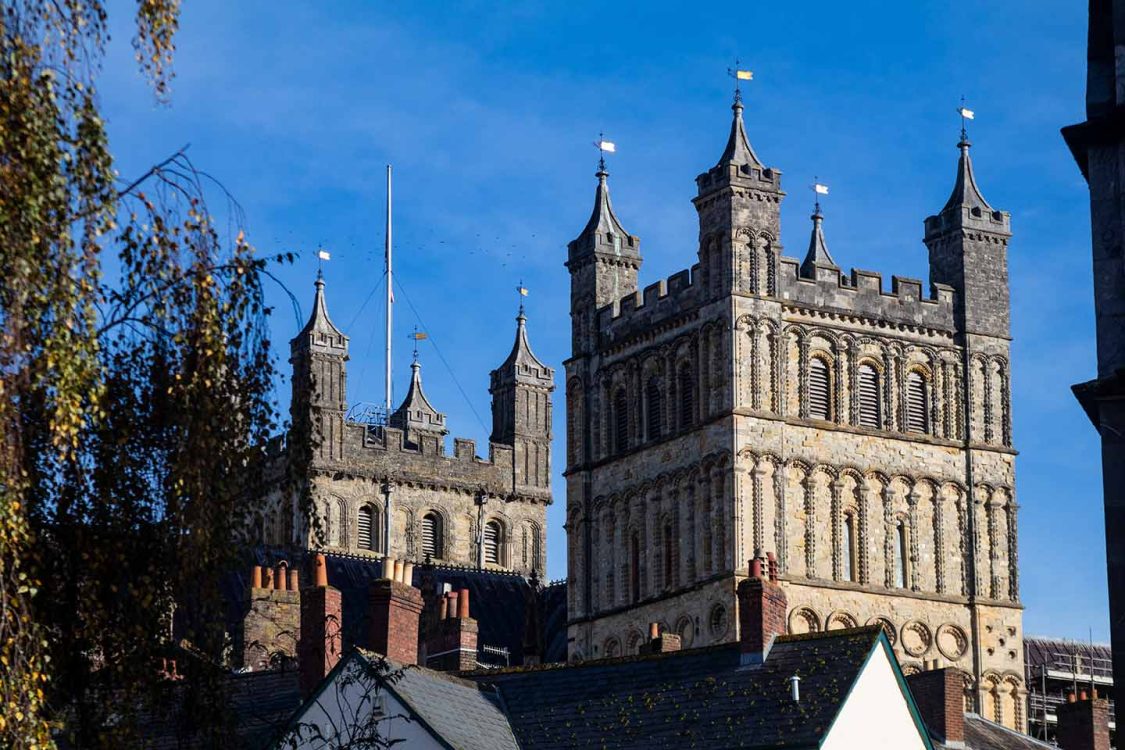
256,577
279,581
654,630
389,568
463,604
755,568
320,571
397,576
267,578
408,573
451,605
294,581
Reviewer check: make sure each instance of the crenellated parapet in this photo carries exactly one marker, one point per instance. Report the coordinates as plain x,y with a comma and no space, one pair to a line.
862,293
656,305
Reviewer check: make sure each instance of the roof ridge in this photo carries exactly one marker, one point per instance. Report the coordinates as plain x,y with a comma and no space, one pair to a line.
606,660
839,633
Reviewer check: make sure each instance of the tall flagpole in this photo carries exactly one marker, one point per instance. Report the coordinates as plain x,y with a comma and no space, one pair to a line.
390,293
387,509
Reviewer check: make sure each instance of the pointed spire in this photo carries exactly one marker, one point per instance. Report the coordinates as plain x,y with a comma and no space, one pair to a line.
738,150
522,365
965,190
818,255
319,333
603,221
416,412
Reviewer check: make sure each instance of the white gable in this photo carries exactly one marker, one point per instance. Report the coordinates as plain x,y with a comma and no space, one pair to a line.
332,719
876,713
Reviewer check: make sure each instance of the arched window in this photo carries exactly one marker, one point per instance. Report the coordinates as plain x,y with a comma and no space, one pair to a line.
370,533
901,552
849,548
917,398
820,390
669,552
687,395
635,567
654,409
432,542
870,411
493,542
612,648
620,421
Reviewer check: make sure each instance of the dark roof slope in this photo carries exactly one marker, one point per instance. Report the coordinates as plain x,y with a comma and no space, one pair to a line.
461,712
982,734
695,698
1056,653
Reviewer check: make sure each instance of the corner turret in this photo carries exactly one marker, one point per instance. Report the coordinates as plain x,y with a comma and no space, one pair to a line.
818,261
319,354
521,410
415,416
604,261
739,205
968,245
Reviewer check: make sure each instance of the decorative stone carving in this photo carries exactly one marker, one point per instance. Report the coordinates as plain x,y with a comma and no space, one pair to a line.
888,628
952,641
803,620
717,621
840,621
916,638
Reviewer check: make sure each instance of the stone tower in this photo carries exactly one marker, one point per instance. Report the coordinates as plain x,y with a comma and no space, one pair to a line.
760,405
521,411
393,489
319,355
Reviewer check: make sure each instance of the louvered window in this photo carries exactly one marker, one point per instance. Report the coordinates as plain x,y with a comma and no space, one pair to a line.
820,395
917,415
431,536
654,411
687,396
493,538
620,421
869,402
366,528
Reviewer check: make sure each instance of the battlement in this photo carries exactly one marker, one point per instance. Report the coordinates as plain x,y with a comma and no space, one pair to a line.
744,175
657,302
392,440
862,294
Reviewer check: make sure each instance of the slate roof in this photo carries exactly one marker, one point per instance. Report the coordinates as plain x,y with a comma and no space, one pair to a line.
461,712
982,734
1050,652
694,698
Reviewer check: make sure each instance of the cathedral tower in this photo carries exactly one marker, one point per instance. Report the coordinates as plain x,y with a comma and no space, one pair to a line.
521,411
759,404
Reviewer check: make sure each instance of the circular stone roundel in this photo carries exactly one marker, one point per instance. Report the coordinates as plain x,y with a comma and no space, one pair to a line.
952,641
840,621
916,638
888,628
803,620
717,621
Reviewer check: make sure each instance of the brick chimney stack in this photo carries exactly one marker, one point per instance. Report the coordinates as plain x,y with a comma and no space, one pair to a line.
939,695
658,642
271,626
395,607
322,641
452,647
1083,723
761,610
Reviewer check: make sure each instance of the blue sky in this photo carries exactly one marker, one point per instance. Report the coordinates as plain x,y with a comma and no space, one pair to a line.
487,111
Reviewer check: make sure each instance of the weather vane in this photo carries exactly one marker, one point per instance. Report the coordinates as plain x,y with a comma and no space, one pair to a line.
966,114
321,256
522,290
416,337
738,74
604,147
818,189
